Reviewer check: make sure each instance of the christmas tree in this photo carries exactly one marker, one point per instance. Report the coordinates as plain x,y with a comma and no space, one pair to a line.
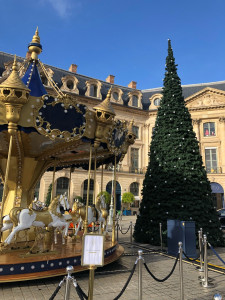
175,184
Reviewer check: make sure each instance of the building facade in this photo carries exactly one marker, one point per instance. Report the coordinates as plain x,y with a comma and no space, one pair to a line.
206,103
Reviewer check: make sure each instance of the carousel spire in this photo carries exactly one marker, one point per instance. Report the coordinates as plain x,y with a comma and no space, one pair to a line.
35,47
105,105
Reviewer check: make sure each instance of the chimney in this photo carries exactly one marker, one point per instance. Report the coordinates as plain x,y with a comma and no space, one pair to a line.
28,55
110,79
73,68
132,84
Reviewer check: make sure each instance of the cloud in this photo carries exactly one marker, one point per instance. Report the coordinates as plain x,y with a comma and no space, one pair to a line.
62,7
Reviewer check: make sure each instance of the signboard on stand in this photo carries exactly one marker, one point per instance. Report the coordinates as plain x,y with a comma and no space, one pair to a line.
93,250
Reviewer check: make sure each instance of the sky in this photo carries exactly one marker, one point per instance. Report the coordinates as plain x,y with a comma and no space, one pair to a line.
126,38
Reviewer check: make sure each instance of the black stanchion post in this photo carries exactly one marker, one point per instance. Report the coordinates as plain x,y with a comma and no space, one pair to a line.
200,268
181,271
160,232
217,297
140,252
69,278
205,282
131,232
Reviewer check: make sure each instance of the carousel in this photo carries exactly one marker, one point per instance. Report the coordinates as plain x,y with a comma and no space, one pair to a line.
41,132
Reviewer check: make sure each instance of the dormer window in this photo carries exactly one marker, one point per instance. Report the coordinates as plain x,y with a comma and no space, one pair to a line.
93,88
134,101
157,101
70,84
116,95
44,79
135,98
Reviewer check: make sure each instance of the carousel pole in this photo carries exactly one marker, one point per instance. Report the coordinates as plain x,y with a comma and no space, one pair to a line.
6,182
94,192
69,187
88,191
114,205
53,182
102,180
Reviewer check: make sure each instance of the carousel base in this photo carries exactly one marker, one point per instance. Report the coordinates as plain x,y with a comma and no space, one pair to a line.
20,265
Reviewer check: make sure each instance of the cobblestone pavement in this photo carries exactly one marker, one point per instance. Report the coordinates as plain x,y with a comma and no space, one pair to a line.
110,279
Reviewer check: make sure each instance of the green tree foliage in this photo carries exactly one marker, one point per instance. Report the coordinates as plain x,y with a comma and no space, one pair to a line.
127,197
107,196
175,184
48,197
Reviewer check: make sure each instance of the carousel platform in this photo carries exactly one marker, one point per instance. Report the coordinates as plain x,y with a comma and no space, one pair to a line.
20,265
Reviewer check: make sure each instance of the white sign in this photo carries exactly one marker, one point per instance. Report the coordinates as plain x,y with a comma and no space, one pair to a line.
93,250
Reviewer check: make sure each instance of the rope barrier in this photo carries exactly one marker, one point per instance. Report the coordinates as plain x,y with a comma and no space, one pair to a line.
120,229
168,276
78,289
57,289
214,251
82,292
191,259
128,280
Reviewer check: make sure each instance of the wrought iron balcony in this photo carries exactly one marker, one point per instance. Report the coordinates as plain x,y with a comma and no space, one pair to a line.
214,170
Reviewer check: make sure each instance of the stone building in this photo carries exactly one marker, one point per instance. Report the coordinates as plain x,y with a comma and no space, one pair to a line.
206,103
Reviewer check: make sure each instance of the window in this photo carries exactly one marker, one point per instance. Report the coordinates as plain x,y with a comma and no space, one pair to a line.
135,101
134,188
90,192
70,84
115,96
93,90
135,130
134,160
209,129
157,101
62,185
211,160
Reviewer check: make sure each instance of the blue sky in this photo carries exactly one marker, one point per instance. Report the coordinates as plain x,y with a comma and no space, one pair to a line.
127,39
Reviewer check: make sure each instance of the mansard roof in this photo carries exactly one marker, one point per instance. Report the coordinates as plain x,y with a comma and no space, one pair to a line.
188,90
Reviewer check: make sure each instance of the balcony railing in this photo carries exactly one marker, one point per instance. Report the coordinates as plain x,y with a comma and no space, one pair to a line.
124,170
214,170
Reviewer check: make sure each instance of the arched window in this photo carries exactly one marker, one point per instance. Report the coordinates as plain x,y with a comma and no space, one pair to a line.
157,101
62,185
135,100
115,96
36,190
70,84
93,90
209,129
134,188
85,190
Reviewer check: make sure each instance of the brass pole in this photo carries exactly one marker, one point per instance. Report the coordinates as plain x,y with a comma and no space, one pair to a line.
91,282
94,192
88,191
69,187
102,180
6,180
53,182
114,205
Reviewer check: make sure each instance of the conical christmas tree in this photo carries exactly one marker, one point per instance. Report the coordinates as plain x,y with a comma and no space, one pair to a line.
175,184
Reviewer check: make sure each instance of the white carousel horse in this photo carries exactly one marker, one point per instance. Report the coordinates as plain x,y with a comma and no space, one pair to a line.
64,201
24,218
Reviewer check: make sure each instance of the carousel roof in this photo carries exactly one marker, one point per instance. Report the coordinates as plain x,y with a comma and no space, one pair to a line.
58,130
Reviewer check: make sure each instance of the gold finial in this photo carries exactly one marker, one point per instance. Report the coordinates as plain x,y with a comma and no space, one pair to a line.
35,47
106,105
